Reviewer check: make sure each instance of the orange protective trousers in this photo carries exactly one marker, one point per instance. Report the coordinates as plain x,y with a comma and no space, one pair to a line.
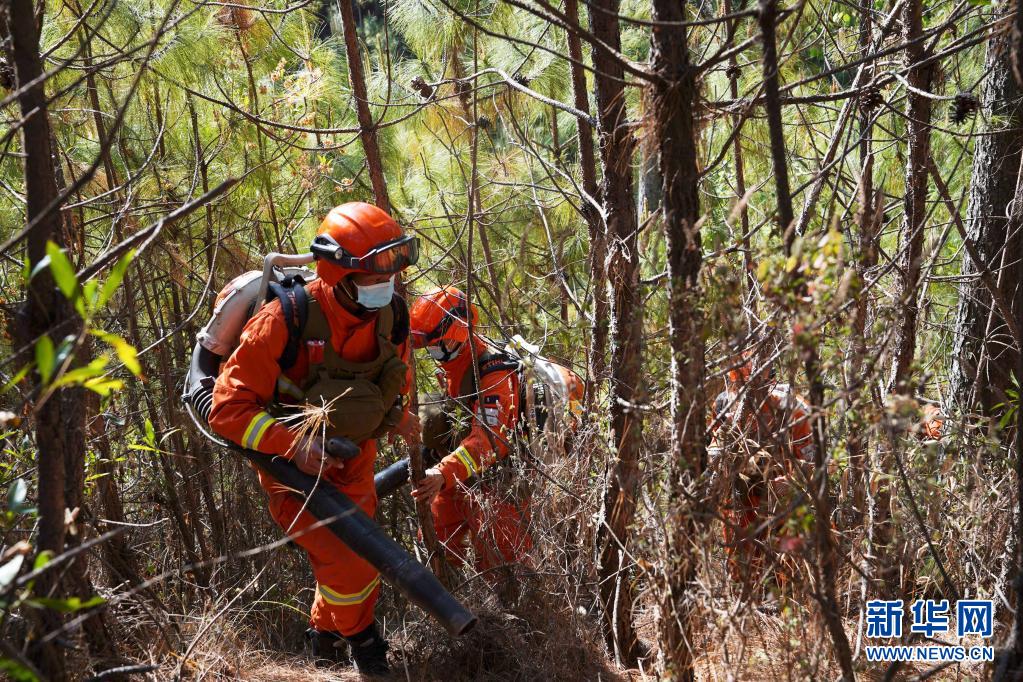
497,529
347,586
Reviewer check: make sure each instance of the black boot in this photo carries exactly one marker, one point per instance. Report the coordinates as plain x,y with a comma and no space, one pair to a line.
369,649
329,648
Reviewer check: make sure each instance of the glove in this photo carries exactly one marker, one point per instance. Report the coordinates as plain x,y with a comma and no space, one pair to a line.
310,458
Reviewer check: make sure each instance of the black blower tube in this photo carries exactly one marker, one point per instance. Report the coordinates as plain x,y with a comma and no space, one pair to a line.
357,530
348,522
388,480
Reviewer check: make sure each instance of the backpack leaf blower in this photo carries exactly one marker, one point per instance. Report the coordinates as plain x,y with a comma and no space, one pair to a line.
345,519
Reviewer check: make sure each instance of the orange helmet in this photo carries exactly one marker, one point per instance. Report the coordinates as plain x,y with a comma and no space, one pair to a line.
740,374
360,237
439,315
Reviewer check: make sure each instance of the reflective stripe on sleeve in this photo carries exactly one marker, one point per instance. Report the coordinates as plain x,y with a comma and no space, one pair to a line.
287,387
466,459
339,599
257,427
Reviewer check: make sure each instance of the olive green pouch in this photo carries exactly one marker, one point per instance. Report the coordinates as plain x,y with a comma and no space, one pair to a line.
391,379
357,406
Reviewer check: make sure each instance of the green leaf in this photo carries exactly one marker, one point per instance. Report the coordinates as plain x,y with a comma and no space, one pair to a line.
43,264
103,386
42,559
115,278
62,270
150,434
44,358
69,605
89,293
21,373
80,375
16,671
67,345
17,493
9,571
126,352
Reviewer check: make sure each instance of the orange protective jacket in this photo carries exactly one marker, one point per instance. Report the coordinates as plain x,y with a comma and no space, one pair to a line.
495,408
248,381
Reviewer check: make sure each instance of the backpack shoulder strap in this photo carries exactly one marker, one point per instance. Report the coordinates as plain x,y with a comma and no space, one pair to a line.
487,363
401,324
497,361
295,308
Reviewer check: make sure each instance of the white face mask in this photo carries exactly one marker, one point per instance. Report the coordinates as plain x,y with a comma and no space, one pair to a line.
373,296
440,352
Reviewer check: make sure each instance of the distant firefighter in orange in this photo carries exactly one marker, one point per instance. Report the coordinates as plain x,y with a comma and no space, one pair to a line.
769,442
496,520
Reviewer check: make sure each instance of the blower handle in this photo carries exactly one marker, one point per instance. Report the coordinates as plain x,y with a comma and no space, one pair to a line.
280,260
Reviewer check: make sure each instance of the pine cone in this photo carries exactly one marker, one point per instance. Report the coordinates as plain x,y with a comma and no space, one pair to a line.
965,105
422,87
484,122
6,75
871,98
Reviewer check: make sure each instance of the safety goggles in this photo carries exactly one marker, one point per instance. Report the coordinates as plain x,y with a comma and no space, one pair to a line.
422,339
386,259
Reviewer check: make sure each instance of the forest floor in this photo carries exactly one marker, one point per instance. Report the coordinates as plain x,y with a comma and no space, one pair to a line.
503,646
507,647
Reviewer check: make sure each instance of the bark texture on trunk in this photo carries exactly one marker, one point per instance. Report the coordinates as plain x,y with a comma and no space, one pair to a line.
367,128
914,202
1010,661
617,144
983,356
594,222
672,99
1017,43
59,423
858,440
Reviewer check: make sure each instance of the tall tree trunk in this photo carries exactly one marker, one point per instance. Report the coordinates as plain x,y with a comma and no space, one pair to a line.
367,128
740,189
594,222
1010,661
1017,42
807,349
371,147
121,563
59,423
914,202
672,99
866,220
983,356
914,206
626,325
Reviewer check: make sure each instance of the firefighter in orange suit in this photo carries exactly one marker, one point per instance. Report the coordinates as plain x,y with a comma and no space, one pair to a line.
496,523
353,334
771,442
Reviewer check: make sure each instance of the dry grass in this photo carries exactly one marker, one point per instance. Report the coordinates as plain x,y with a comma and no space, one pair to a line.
550,631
